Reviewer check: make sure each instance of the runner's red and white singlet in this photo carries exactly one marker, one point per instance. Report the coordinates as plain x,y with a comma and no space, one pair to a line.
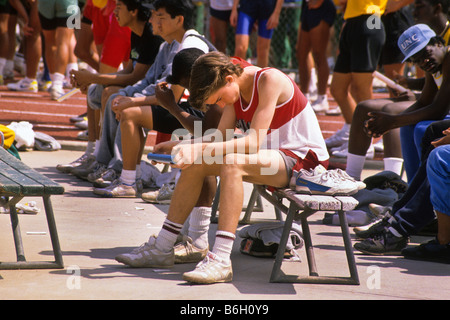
294,126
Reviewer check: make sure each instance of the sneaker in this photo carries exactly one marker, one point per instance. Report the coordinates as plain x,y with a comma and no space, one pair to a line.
324,182
66,168
384,243
105,179
320,106
342,151
83,135
344,175
333,112
99,171
83,171
375,227
211,270
118,189
338,139
56,92
81,117
147,256
165,193
430,251
187,252
150,196
24,85
83,124
44,85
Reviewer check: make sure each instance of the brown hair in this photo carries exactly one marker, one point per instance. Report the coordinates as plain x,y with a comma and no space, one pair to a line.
208,75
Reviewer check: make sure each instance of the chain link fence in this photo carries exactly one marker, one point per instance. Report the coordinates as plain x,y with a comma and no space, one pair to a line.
284,39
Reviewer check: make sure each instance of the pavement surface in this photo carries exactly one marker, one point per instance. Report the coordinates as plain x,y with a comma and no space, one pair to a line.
93,230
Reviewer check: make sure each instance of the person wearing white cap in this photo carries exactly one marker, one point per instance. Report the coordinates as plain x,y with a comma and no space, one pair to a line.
421,46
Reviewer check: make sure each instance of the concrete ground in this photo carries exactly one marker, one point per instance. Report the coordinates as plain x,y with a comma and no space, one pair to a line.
92,231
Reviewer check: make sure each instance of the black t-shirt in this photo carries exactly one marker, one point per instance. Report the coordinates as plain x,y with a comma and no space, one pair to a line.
145,48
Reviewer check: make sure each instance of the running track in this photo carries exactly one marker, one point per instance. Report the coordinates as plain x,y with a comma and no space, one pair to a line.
52,117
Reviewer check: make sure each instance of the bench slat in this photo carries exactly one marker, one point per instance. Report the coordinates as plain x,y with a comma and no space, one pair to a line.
31,181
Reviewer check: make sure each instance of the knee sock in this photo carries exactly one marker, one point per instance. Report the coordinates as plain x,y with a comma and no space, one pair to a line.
355,165
199,222
223,244
168,235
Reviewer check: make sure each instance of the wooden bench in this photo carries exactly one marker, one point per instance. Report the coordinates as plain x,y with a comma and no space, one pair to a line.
17,180
302,206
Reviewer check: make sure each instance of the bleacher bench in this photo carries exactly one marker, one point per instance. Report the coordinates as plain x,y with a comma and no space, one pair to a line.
302,206
17,180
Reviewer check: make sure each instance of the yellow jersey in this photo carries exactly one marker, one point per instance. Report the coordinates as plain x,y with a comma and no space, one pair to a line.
356,8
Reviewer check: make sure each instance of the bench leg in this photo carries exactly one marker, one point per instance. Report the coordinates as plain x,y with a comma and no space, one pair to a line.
21,261
278,276
53,232
348,247
16,228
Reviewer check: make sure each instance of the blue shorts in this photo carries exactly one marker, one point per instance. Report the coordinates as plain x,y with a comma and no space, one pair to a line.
438,172
251,11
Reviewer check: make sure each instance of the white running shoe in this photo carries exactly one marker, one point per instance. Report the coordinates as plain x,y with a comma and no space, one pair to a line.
324,182
320,105
148,256
339,138
211,270
67,168
24,85
56,92
333,112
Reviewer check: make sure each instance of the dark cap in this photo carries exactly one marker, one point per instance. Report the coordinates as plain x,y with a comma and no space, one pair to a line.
182,64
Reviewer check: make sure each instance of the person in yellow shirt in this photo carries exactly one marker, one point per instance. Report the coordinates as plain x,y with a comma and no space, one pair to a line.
360,45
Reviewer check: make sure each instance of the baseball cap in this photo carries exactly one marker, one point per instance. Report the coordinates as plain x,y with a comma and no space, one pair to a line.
182,64
414,39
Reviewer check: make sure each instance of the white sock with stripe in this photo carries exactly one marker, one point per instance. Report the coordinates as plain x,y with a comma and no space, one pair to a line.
223,244
168,235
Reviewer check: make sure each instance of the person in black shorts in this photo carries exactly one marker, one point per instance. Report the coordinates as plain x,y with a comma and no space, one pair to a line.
360,45
316,20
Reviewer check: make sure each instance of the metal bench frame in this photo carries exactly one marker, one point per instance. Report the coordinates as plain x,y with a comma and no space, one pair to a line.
301,207
42,187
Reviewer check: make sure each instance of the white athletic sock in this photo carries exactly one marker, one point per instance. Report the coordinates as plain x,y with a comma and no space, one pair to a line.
168,235
128,177
321,97
223,244
393,164
355,165
57,79
199,222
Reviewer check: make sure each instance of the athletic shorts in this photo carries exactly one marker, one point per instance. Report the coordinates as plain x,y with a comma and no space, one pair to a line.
360,45
251,11
395,24
294,163
7,8
165,122
54,13
220,14
310,18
